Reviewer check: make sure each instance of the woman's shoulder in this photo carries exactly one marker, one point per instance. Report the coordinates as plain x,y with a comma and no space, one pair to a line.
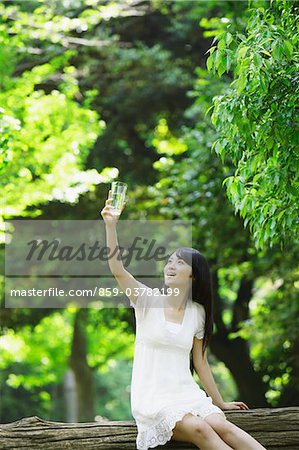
199,308
198,305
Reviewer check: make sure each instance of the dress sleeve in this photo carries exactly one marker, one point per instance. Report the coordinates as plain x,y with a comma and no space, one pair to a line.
144,301
200,321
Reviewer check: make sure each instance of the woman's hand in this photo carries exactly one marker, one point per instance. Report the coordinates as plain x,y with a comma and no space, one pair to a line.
234,405
110,214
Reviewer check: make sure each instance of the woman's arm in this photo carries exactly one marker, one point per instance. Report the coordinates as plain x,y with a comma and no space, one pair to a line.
206,377
114,261
125,280
204,373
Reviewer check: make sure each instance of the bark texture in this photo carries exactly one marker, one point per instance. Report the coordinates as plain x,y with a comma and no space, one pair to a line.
276,429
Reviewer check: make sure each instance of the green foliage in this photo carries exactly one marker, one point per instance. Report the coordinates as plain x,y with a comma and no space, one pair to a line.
256,121
46,133
37,359
8,126
34,361
165,142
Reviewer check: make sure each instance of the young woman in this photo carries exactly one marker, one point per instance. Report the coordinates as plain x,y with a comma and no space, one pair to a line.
166,402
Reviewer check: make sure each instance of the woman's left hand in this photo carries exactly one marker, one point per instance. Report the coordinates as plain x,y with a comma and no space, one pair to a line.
234,405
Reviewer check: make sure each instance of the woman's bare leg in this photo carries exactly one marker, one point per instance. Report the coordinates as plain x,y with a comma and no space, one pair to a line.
234,436
195,430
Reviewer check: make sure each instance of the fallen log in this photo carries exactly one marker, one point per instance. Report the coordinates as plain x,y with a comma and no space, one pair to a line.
276,429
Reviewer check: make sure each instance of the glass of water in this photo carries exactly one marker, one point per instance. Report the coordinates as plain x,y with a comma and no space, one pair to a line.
118,195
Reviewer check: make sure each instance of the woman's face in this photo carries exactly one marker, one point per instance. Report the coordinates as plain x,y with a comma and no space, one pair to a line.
177,271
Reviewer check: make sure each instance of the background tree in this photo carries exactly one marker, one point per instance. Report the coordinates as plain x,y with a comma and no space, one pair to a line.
256,120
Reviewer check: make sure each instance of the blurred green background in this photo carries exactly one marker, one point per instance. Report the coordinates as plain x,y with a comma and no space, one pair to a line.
192,104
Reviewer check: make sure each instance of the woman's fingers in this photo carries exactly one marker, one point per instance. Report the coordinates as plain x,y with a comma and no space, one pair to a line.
241,405
107,208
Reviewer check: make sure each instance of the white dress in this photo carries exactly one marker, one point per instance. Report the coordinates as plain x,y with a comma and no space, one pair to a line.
162,387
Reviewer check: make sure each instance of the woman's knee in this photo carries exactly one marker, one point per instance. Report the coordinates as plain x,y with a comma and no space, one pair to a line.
184,428
192,429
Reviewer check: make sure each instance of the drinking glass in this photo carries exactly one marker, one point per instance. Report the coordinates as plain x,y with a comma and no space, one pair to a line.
118,195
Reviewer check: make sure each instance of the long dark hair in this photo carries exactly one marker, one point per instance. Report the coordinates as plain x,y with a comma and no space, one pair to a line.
201,290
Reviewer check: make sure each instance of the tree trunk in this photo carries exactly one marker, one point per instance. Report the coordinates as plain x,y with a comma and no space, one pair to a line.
276,429
84,378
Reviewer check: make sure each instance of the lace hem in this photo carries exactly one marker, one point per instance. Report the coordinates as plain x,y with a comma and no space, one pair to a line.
162,432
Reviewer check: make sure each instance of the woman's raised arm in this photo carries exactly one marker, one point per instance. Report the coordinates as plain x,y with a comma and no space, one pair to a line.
126,281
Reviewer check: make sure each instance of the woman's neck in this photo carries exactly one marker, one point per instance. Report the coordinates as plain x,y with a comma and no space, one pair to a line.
177,302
